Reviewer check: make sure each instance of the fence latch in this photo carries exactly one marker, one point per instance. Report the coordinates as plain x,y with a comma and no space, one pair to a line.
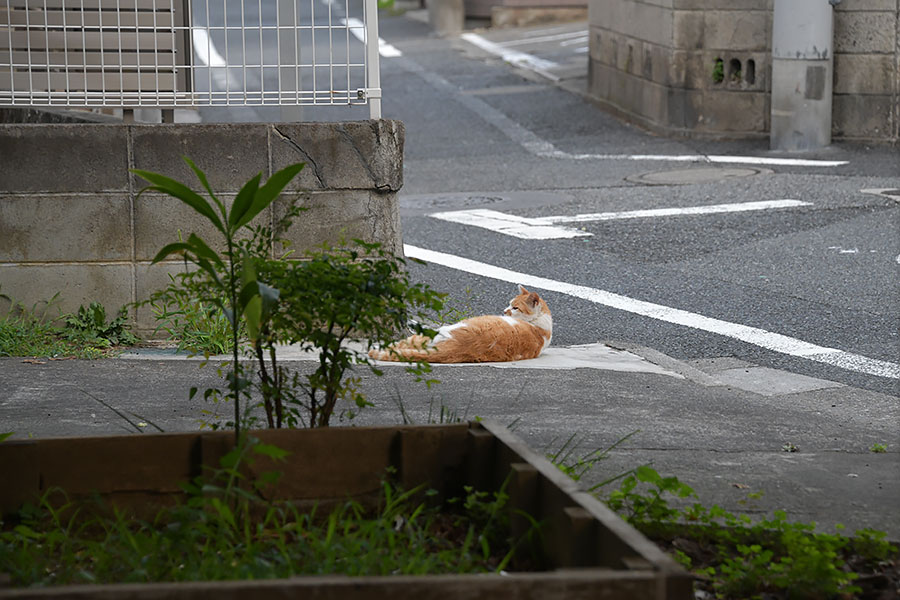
368,93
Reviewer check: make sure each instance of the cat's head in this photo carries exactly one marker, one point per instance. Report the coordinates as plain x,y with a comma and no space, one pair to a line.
527,306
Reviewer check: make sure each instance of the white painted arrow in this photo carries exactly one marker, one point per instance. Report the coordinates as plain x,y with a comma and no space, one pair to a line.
547,228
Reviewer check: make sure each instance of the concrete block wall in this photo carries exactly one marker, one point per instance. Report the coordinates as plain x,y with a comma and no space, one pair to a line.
866,97
71,220
654,61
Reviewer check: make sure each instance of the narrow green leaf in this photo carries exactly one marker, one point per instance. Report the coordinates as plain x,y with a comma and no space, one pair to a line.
267,193
250,306
269,297
203,250
273,452
202,177
242,203
174,188
170,249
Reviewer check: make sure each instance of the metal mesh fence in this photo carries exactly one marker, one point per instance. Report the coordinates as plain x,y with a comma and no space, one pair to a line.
179,53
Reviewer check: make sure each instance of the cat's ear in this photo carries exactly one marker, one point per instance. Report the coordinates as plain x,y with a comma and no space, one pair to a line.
522,289
533,298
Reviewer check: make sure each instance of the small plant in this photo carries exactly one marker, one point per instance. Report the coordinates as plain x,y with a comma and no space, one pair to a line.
789,447
32,331
89,323
742,559
352,292
718,72
198,326
878,448
577,467
228,279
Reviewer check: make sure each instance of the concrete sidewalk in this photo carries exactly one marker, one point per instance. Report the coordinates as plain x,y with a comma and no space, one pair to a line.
724,427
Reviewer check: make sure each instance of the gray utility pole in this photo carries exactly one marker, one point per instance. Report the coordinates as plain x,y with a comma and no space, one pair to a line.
802,67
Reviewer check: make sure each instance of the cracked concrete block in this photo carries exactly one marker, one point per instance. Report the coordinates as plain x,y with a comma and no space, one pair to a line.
351,155
865,32
63,158
229,153
60,227
159,218
330,215
77,284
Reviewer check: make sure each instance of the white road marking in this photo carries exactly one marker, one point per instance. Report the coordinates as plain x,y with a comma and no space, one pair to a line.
544,38
580,40
752,335
358,30
515,226
883,192
704,158
514,57
540,147
543,228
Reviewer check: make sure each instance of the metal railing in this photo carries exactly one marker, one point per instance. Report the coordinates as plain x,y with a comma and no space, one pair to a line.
189,53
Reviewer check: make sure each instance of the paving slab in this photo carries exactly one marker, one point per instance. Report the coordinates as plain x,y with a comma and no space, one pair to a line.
724,441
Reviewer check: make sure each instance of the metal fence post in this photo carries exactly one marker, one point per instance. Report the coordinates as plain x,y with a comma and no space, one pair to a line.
373,66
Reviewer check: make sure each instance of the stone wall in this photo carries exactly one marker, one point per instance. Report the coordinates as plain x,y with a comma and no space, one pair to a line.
71,220
702,68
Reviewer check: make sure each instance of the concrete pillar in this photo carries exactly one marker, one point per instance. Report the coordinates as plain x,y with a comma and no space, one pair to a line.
446,17
802,68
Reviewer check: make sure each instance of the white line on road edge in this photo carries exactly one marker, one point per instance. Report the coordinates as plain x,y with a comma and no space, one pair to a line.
514,57
358,30
542,228
545,38
540,147
703,158
751,335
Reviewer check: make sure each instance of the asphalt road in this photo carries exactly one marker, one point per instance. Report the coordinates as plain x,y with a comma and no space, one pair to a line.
482,134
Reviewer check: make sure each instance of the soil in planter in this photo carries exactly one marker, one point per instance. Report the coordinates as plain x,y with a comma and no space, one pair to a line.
223,534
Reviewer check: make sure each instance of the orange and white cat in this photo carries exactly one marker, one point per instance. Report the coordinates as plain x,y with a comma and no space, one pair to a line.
523,331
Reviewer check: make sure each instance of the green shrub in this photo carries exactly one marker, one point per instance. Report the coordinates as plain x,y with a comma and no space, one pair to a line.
337,294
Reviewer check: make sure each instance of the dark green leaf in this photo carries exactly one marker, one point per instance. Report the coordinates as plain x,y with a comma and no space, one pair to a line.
202,177
168,250
273,452
266,194
243,202
201,249
174,188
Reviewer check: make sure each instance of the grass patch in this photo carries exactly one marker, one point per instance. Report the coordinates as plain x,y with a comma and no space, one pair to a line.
734,556
37,332
224,531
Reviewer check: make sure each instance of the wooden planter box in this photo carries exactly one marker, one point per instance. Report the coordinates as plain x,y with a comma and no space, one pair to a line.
589,551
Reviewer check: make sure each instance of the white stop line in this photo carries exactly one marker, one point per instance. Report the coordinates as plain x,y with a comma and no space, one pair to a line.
751,335
545,228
